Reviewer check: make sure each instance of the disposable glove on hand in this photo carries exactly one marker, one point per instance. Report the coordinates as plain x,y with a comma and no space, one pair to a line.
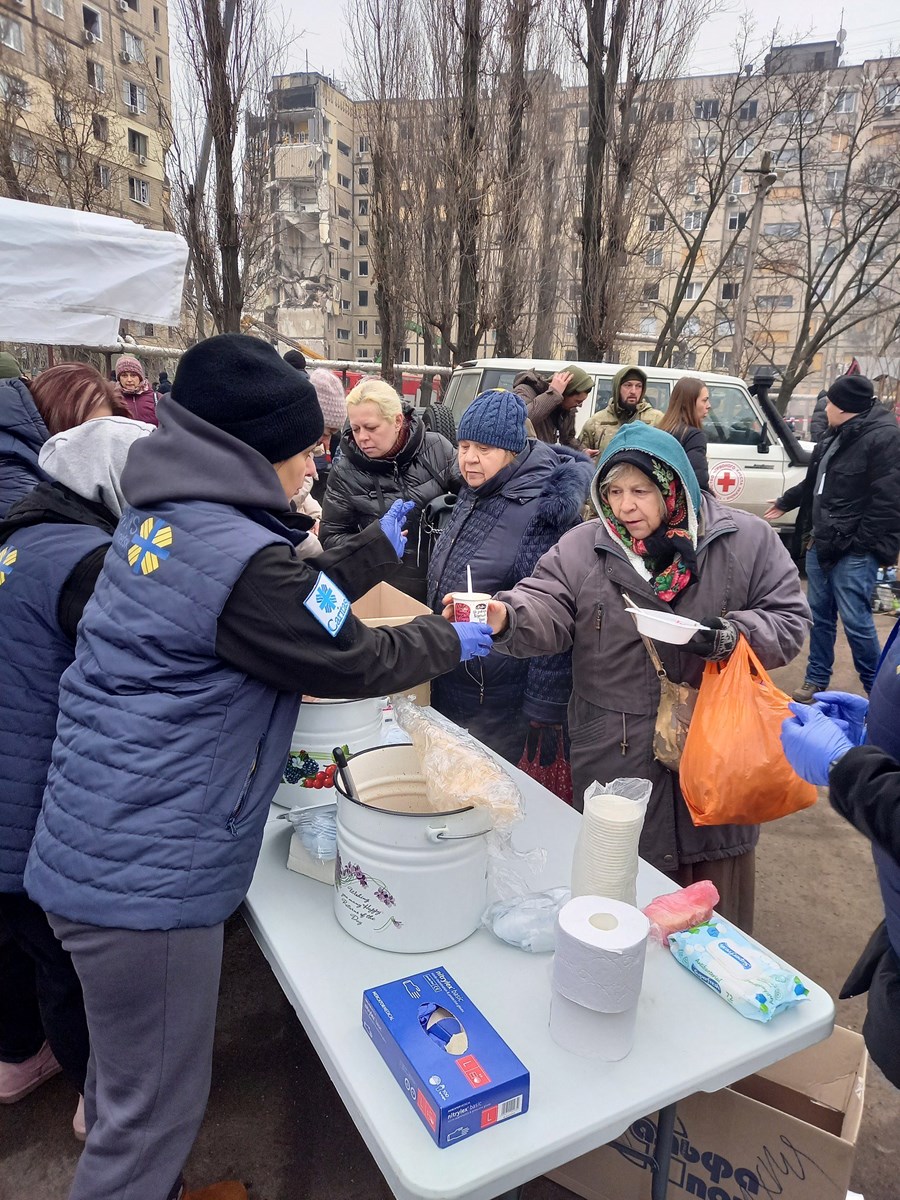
474,639
812,742
392,524
715,643
848,710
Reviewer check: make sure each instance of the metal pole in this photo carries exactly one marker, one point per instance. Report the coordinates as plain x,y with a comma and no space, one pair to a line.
766,178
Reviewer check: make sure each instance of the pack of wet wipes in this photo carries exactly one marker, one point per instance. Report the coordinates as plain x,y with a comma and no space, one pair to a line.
457,1072
738,969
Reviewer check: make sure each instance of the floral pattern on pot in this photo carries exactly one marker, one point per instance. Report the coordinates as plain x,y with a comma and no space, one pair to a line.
353,886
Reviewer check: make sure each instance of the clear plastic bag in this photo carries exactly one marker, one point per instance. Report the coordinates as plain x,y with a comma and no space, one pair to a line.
527,922
316,828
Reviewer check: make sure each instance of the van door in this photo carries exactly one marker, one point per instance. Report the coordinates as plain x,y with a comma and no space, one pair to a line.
746,463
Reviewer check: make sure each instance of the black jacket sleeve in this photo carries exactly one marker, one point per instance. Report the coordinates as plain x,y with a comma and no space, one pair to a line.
877,532
694,442
339,520
357,563
265,631
77,590
794,497
864,787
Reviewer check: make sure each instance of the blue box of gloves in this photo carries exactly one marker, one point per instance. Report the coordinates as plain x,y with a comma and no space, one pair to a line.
458,1073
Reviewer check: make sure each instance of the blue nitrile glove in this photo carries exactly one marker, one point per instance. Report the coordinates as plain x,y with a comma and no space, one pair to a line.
392,524
812,743
475,639
848,710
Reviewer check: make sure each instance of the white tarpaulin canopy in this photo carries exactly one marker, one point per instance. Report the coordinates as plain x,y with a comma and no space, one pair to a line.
66,277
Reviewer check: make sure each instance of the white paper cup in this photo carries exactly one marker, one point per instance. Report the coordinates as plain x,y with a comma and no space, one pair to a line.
471,606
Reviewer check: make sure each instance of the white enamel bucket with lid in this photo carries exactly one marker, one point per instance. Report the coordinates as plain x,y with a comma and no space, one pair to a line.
407,878
322,725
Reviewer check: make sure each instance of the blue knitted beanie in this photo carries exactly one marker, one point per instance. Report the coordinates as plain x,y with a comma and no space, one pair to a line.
495,418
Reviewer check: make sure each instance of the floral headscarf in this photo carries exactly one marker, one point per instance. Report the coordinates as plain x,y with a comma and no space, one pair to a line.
666,558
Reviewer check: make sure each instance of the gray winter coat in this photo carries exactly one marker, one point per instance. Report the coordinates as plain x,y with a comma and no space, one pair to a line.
574,598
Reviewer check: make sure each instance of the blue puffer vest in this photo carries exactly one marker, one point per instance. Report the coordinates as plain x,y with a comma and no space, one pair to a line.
166,757
883,732
35,563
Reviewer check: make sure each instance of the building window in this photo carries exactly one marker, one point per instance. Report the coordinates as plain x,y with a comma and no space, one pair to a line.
748,111
782,229
137,143
378,329
362,299
344,181
665,111
730,291
693,291
889,96
345,306
835,179
159,68
788,157
343,335
11,34
362,268
694,220
705,147
55,7
138,190
326,129
744,148
344,211
770,302
653,258
690,185
363,145
845,102
721,360
343,148
362,353
56,57
96,76
132,47
656,222
344,243
363,238
132,4
706,110
645,358
648,327
345,273
684,360
363,207
724,328
650,292
156,20
362,328
63,164
363,176
62,114
100,127
134,96
326,163
102,176
739,186
404,355
14,92
93,27
22,151
737,220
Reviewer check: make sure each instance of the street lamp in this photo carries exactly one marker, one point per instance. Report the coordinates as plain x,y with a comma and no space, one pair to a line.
766,178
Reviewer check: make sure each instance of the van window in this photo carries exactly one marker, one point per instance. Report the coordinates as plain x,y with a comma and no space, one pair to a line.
462,391
732,419
496,378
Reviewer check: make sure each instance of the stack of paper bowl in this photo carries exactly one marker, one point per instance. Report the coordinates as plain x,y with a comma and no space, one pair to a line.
606,854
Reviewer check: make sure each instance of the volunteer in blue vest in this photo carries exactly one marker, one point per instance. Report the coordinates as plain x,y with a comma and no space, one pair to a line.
852,745
175,722
52,545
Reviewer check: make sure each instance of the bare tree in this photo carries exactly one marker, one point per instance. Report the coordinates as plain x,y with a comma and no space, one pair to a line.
18,155
630,51
231,54
831,245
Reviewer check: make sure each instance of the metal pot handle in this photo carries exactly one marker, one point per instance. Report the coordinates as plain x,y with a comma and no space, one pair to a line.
438,833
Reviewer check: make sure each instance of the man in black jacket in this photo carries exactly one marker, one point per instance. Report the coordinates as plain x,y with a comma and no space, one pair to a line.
850,505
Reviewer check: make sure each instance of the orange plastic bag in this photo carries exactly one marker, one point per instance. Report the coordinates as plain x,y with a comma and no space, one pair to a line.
733,769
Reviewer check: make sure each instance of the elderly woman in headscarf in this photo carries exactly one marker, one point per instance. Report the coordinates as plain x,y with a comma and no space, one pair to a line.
665,545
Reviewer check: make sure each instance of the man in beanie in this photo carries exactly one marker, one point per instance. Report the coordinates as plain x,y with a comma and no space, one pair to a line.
135,388
175,723
627,405
552,403
297,361
164,386
849,515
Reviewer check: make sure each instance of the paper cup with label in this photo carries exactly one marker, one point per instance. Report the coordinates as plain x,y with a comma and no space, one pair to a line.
471,606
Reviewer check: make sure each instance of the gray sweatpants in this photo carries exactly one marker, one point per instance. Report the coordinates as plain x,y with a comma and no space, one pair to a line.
150,998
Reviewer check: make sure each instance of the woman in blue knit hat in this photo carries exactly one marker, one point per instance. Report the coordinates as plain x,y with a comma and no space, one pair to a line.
518,497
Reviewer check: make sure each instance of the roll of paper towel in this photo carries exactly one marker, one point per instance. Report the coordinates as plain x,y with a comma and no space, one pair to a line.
600,949
591,1034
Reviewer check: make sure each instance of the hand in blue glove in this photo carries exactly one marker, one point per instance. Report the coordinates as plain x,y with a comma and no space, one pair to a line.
474,639
848,710
812,742
392,524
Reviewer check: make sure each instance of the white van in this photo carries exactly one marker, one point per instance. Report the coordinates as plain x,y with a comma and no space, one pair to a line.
753,458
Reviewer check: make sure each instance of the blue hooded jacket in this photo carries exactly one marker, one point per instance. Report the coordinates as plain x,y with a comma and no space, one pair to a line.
22,433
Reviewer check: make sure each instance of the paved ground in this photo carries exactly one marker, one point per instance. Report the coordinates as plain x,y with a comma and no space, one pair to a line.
275,1121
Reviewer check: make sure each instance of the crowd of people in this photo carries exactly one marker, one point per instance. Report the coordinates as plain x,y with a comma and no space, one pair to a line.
176,570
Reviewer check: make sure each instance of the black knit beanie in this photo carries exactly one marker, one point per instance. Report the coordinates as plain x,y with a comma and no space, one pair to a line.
852,393
243,386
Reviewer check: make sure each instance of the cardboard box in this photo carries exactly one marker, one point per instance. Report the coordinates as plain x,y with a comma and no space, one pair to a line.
789,1131
386,605
457,1072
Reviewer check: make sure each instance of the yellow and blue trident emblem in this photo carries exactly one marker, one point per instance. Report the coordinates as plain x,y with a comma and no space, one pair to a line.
8,555
148,546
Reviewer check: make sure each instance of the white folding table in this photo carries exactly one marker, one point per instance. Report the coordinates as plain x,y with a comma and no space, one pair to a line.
687,1039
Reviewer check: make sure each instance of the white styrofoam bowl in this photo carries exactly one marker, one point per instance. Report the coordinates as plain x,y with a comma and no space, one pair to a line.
664,626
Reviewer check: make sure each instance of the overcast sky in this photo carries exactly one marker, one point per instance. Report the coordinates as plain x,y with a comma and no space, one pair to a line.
873,31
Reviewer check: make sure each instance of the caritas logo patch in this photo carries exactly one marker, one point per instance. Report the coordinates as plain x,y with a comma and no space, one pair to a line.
473,1070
